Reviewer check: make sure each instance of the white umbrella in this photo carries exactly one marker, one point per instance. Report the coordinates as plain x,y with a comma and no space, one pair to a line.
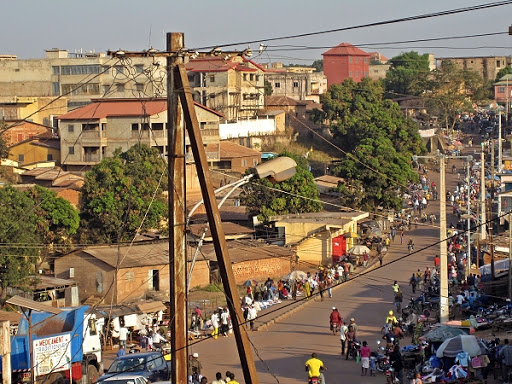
301,275
359,250
461,343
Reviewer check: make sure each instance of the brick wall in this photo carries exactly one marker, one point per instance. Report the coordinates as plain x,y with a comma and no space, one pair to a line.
260,269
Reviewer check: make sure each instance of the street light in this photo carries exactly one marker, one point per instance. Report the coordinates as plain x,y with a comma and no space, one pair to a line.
276,170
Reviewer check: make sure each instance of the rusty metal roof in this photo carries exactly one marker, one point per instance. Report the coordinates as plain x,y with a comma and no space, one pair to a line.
151,306
12,317
31,304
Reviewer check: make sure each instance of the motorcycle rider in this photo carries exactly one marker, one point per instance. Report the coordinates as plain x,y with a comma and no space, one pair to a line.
410,245
391,317
335,320
314,367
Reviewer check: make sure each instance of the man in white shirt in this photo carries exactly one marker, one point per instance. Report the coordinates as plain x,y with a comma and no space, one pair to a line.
251,316
224,322
123,336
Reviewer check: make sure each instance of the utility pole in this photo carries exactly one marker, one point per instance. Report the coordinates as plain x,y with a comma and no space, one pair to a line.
443,253
177,198
500,146
483,232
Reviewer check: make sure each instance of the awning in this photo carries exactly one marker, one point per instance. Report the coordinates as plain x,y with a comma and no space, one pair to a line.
151,306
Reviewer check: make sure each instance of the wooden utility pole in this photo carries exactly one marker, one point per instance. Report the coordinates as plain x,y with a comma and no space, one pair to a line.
5,351
177,245
219,240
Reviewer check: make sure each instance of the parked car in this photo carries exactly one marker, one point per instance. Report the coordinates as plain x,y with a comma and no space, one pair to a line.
124,378
150,365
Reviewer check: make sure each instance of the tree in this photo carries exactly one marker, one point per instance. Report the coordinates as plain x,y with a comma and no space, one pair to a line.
378,142
318,65
4,151
407,75
451,91
502,72
57,220
123,193
264,199
268,88
19,238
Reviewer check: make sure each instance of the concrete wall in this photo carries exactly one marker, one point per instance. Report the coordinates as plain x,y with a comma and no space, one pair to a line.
260,269
33,153
135,283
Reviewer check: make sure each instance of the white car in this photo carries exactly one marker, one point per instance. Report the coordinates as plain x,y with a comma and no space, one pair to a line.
126,379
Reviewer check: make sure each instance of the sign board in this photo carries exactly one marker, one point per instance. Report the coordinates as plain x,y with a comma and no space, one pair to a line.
52,354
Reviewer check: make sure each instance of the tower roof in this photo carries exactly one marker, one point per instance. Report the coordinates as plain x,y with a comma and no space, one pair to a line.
345,49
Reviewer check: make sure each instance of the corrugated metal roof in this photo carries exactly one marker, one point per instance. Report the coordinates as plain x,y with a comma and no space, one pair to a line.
116,107
229,229
245,250
45,282
12,317
151,306
138,255
30,304
229,149
346,49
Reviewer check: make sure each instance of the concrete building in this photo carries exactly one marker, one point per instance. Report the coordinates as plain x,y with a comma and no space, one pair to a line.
345,61
36,150
90,133
20,130
232,86
38,110
299,83
486,66
82,76
317,237
503,91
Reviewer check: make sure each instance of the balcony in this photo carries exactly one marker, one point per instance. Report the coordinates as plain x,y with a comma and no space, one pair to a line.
159,134
93,137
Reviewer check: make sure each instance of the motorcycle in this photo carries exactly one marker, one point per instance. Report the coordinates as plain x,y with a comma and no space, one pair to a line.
314,380
335,327
355,349
410,247
390,375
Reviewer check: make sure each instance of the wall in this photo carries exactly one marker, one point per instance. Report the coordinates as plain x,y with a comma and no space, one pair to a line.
241,164
260,269
22,132
246,128
33,153
86,282
135,283
201,274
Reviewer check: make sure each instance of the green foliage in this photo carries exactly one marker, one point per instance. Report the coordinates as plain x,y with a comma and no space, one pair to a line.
18,233
451,91
117,196
264,202
268,88
379,142
213,288
57,220
318,65
4,151
502,72
407,75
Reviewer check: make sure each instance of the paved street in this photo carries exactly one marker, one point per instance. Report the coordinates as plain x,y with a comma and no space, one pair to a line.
282,348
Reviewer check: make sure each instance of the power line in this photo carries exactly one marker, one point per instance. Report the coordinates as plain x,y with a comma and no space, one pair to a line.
373,24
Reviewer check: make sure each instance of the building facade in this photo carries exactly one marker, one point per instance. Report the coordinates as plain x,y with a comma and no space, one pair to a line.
232,86
486,66
299,83
345,61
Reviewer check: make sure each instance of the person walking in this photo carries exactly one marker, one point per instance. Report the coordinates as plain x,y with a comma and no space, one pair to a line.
413,282
343,337
398,301
365,358
506,359
351,337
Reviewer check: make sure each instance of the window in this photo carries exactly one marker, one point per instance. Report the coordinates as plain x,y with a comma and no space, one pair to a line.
357,59
71,150
251,77
501,89
55,70
157,126
350,74
212,78
258,77
357,73
120,87
92,327
71,128
49,157
498,63
71,273
244,163
21,157
277,84
139,68
350,59
80,69
81,89
295,84
203,125
19,137
139,87
245,76
99,282
118,70
55,89
135,127
365,60
130,276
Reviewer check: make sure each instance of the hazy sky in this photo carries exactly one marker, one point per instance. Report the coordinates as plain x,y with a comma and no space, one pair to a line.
28,27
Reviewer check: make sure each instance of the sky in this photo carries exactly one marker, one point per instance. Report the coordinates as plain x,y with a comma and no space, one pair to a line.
28,27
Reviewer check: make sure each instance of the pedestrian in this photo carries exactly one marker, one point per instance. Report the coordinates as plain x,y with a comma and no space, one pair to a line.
381,257
395,358
395,287
437,261
373,364
194,365
218,379
402,237
365,358
251,316
393,233
398,301
224,322
413,282
343,337
215,324
232,378
505,355
123,336
121,351
351,337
